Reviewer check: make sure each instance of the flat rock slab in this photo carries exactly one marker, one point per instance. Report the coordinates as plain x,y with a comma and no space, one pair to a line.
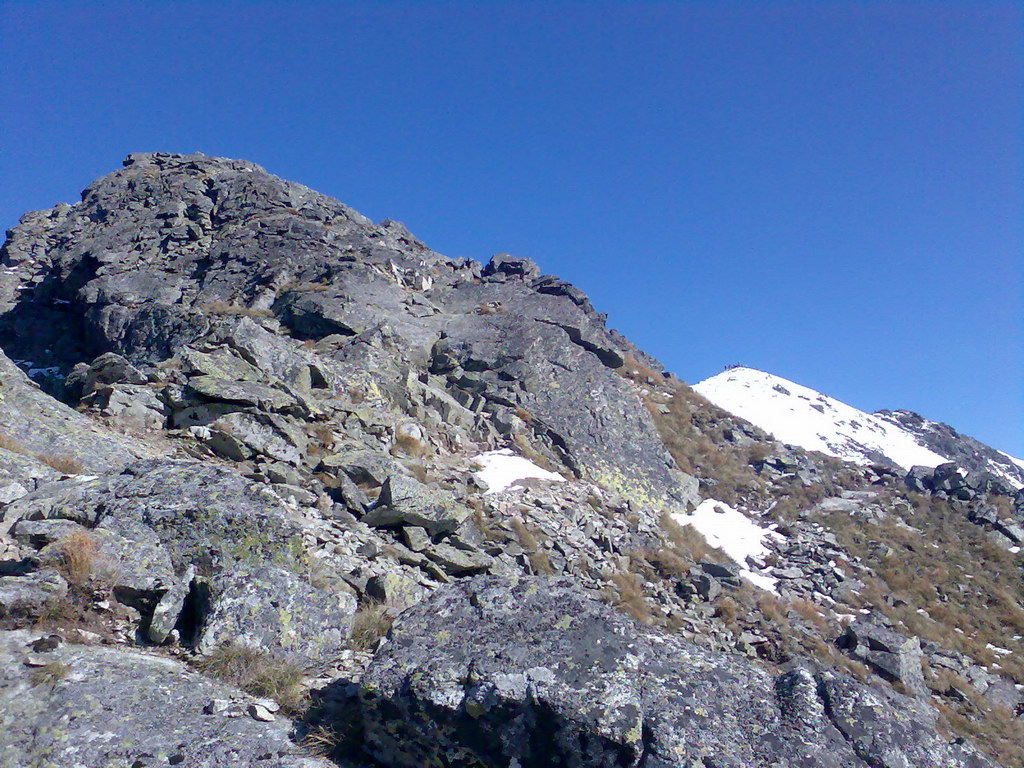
102,706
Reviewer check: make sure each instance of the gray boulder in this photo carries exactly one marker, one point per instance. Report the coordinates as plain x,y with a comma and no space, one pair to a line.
274,610
34,425
79,705
495,673
201,514
25,595
404,501
893,656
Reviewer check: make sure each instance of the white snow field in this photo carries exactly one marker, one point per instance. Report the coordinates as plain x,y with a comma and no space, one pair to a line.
503,469
735,534
803,417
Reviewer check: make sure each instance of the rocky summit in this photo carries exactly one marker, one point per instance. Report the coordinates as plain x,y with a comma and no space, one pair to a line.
280,486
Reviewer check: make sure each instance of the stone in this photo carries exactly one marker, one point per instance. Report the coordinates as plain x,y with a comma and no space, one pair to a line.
128,557
201,514
890,654
456,561
592,687
416,538
404,501
261,713
50,434
274,610
245,393
131,407
706,586
120,707
168,608
394,591
25,596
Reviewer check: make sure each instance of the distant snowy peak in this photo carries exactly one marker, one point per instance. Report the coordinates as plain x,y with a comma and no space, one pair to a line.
800,416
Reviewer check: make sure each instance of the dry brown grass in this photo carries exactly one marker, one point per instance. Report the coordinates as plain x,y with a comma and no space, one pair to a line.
322,740
629,597
810,613
370,624
964,583
49,674
409,445
687,542
258,672
539,560
63,463
75,557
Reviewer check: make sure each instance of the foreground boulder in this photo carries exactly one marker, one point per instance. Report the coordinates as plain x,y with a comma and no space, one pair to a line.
76,705
532,673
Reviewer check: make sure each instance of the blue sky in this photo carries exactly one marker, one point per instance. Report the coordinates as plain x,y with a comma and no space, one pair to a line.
830,191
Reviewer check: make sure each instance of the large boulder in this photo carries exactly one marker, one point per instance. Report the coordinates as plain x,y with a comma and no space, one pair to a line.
78,705
274,610
532,673
201,514
404,501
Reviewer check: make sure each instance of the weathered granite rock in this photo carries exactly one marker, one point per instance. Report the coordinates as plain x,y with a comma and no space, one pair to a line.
130,407
893,656
496,673
394,591
168,608
239,436
26,595
35,425
274,610
95,706
404,501
129,556
202,515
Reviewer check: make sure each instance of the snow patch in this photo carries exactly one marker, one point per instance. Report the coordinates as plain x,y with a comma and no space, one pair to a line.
800,416
735,534
503,469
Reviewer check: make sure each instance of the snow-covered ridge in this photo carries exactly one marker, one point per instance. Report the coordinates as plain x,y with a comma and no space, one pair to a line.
801,416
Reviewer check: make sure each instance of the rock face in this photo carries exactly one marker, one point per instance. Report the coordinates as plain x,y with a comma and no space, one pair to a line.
79,705
530,673
173,249
46,434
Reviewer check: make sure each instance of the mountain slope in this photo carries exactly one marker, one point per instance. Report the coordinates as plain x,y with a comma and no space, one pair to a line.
801,416
317,426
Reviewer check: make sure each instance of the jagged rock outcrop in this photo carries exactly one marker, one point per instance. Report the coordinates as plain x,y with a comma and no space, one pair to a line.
531,673
172,250
966,452
40,438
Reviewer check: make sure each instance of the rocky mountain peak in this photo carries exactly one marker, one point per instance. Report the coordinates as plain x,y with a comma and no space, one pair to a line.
342,500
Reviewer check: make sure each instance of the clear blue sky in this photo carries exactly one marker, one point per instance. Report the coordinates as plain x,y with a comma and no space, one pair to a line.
830,191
